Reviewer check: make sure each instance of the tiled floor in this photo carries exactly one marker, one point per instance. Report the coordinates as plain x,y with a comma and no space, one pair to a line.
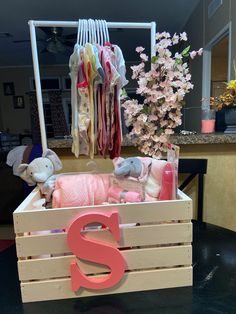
214,290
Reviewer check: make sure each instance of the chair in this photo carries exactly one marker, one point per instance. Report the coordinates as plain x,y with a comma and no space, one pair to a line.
194,167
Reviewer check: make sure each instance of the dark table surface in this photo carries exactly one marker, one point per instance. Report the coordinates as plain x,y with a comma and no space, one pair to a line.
214,289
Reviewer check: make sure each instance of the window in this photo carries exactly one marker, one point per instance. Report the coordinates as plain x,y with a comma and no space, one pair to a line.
48,118
66,83
219,66
47,83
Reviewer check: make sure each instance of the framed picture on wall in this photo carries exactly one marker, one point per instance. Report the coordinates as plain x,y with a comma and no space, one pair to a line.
8,89
18,102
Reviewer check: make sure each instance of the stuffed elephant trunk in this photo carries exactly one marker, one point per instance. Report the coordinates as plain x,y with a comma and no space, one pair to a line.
40,177
122,171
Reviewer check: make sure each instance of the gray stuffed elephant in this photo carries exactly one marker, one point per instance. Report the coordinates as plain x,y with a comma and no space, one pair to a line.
129,167
145,169
41,171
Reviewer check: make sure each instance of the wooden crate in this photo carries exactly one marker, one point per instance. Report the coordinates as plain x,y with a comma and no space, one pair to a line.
158,252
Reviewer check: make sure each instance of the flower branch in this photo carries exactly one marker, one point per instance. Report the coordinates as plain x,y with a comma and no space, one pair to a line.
163,88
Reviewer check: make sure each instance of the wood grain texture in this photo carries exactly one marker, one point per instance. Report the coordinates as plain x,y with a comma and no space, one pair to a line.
56,267
133,281
60,218
56,243
27,204
149,265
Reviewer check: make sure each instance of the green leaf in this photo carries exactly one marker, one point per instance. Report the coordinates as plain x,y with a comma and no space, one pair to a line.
154,59
145,109
161,101
185,52
159,132
124,93
178,61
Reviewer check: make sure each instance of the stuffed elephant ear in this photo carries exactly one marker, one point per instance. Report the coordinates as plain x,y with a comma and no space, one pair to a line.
116,161
131,166
54,159
23,173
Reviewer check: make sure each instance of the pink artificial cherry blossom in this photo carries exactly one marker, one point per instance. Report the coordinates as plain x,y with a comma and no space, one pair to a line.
193,54
163,88
139,49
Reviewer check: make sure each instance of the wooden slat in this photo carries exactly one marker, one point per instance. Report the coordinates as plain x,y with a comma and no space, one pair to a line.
132,281
183,196
56,243
28,201
56,267
52,219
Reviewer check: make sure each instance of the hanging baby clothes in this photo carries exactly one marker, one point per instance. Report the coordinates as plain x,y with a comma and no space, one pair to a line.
120,66
99,79
84,111
97,76
74,67
91,73
111,98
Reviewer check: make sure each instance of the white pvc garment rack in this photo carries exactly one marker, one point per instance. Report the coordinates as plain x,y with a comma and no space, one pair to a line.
33,24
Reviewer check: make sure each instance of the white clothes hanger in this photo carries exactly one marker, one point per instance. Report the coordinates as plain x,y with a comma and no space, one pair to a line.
106,31
94,32
78,32
86,32
97,32
101,32
81,32
89,31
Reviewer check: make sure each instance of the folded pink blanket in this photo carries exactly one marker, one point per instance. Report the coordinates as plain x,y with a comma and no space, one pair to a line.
80,190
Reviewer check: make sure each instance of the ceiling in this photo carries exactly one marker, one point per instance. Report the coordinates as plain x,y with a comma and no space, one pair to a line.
170,15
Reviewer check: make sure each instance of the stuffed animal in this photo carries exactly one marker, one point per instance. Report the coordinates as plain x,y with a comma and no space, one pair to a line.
41,171
66,190
149,171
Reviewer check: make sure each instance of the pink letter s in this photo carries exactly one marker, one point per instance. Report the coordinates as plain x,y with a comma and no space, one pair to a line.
95,251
